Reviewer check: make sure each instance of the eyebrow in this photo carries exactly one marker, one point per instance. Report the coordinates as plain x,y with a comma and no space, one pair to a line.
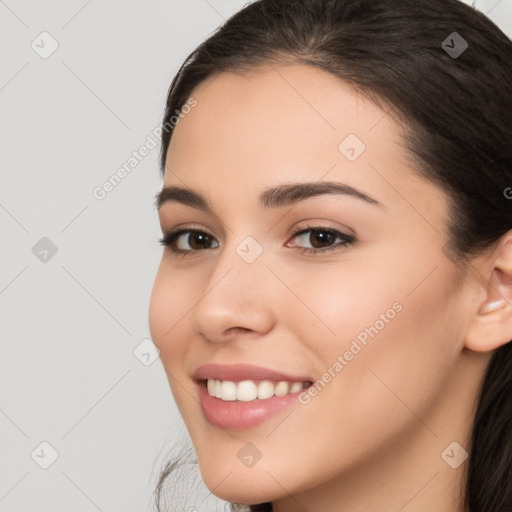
275,197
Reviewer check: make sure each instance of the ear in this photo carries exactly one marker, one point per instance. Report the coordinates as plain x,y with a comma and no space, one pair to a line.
491,326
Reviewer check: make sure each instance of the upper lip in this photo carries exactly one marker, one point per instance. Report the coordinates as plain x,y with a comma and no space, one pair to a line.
239,372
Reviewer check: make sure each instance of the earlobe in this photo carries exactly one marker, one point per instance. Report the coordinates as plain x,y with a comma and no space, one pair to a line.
491,327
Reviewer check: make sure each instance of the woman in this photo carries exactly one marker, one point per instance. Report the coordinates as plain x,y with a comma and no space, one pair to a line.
334,302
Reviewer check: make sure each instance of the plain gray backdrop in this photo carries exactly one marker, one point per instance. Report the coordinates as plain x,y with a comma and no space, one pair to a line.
86,414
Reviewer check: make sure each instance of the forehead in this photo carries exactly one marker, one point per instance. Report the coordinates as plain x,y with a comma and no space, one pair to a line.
294,106
293,122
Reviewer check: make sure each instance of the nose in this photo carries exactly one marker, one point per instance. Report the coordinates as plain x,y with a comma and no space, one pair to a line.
236,300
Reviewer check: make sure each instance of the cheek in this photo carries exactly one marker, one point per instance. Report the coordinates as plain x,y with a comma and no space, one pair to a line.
380,337
387,288
335,303
167,325
397,346
167,309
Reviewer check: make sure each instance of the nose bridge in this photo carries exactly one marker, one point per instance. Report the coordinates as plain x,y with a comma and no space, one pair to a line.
234,296
242,263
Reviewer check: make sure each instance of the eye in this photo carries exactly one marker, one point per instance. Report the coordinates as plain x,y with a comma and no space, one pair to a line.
183,241
321,239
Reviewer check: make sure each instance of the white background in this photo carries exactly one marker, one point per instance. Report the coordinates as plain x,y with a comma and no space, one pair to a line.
69,325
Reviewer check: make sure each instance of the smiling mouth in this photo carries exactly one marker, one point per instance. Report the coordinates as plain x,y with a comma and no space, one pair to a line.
250,390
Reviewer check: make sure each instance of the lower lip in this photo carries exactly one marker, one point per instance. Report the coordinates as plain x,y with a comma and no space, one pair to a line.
240,415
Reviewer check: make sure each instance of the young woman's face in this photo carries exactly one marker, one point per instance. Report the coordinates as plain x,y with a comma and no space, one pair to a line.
362,302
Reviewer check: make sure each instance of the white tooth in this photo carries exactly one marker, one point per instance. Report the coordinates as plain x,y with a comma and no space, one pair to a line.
246,391
296,386
228,390
211,386
282,388
218,389
265,390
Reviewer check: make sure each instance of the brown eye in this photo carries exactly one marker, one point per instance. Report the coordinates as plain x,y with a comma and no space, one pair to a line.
197,240
188,240
320,239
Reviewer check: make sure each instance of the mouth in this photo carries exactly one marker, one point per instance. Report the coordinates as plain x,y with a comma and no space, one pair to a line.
251,390
241,396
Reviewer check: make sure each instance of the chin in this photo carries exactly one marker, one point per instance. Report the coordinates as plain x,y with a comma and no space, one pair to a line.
245,486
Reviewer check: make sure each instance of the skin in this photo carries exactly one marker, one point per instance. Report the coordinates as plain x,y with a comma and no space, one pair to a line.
372,438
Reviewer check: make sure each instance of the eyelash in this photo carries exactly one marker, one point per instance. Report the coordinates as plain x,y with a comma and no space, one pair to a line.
170,238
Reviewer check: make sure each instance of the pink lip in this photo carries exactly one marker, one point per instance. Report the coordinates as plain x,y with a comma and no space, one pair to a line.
239,372
237,414
241,415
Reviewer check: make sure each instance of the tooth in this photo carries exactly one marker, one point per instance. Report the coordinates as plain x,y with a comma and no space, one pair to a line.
228,390
265,389
218,389
246,391
282,388
296,386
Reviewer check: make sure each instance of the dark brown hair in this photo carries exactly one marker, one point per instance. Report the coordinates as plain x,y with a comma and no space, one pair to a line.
456,111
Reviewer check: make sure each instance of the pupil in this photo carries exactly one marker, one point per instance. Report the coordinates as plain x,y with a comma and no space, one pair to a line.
323,237
201,240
